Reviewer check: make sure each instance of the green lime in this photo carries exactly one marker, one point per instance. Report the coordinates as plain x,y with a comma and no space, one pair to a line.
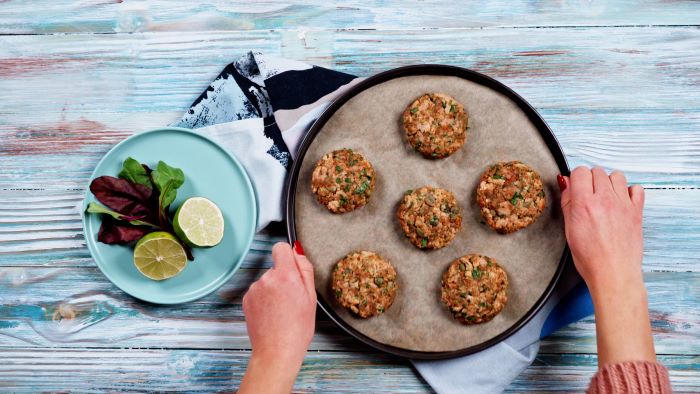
159,255
199,222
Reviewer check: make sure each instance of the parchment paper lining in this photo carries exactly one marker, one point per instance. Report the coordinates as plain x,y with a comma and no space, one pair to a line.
499,130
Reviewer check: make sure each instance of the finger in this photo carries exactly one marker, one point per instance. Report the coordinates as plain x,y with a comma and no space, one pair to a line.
601,181
306,269
619,184
581,183
636,193
283,257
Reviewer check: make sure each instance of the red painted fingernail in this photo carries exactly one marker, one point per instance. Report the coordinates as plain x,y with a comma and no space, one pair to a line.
298,248
562,182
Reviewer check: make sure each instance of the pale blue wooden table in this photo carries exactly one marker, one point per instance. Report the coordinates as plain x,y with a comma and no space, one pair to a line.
618,81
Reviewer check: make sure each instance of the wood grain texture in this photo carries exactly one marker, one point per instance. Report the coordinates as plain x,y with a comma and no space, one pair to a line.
39,228
617,81
631,103
67,16
78,307
97,370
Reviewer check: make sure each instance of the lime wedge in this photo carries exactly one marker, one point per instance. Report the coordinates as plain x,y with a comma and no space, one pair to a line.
159,255
199,222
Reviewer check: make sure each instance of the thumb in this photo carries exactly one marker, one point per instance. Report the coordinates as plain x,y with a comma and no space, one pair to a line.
565,186
307,273
306,269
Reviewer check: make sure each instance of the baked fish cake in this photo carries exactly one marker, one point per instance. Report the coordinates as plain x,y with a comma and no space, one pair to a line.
435,125
510,196
343,180
474,289
429,217
364,283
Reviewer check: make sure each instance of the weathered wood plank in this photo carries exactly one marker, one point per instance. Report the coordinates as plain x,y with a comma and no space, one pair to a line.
98,370
69,307
122,17
572,373
44,228
631,103
657,150
676,324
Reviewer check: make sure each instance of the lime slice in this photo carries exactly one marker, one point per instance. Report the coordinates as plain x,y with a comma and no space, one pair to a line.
199,222
159,255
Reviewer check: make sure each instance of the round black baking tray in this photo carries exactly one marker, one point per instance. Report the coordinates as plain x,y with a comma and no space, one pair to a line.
426,69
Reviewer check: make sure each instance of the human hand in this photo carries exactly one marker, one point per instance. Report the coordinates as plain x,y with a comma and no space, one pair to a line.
603,224
280,310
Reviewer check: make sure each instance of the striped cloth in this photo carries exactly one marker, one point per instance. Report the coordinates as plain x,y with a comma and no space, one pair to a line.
259,107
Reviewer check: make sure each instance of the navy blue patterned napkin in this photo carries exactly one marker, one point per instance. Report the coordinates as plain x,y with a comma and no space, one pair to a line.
260,107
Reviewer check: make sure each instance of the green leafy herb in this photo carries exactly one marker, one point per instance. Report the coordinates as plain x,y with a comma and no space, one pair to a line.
362,188
433,221
414,110
338,180
453,108
338,293
515,198
407,192
498,176
348,180
346,188
424,242
476,273
338,168
134,172
167,179
343,201
132,205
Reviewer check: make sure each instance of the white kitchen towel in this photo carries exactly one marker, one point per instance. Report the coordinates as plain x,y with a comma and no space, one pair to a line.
260,107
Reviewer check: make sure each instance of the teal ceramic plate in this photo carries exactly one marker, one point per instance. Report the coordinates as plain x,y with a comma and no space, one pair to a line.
211,172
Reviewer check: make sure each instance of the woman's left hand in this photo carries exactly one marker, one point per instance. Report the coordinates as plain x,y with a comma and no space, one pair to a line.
280,311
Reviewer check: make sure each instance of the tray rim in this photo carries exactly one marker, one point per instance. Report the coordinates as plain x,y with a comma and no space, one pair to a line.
415,70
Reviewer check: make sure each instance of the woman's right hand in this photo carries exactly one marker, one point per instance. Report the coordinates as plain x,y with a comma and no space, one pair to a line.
603,222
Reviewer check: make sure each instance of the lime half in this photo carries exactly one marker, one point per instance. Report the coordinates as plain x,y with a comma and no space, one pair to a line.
199,222
159,255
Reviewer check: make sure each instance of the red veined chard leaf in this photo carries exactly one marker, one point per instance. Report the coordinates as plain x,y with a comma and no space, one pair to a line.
126,198
94,207
113,231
